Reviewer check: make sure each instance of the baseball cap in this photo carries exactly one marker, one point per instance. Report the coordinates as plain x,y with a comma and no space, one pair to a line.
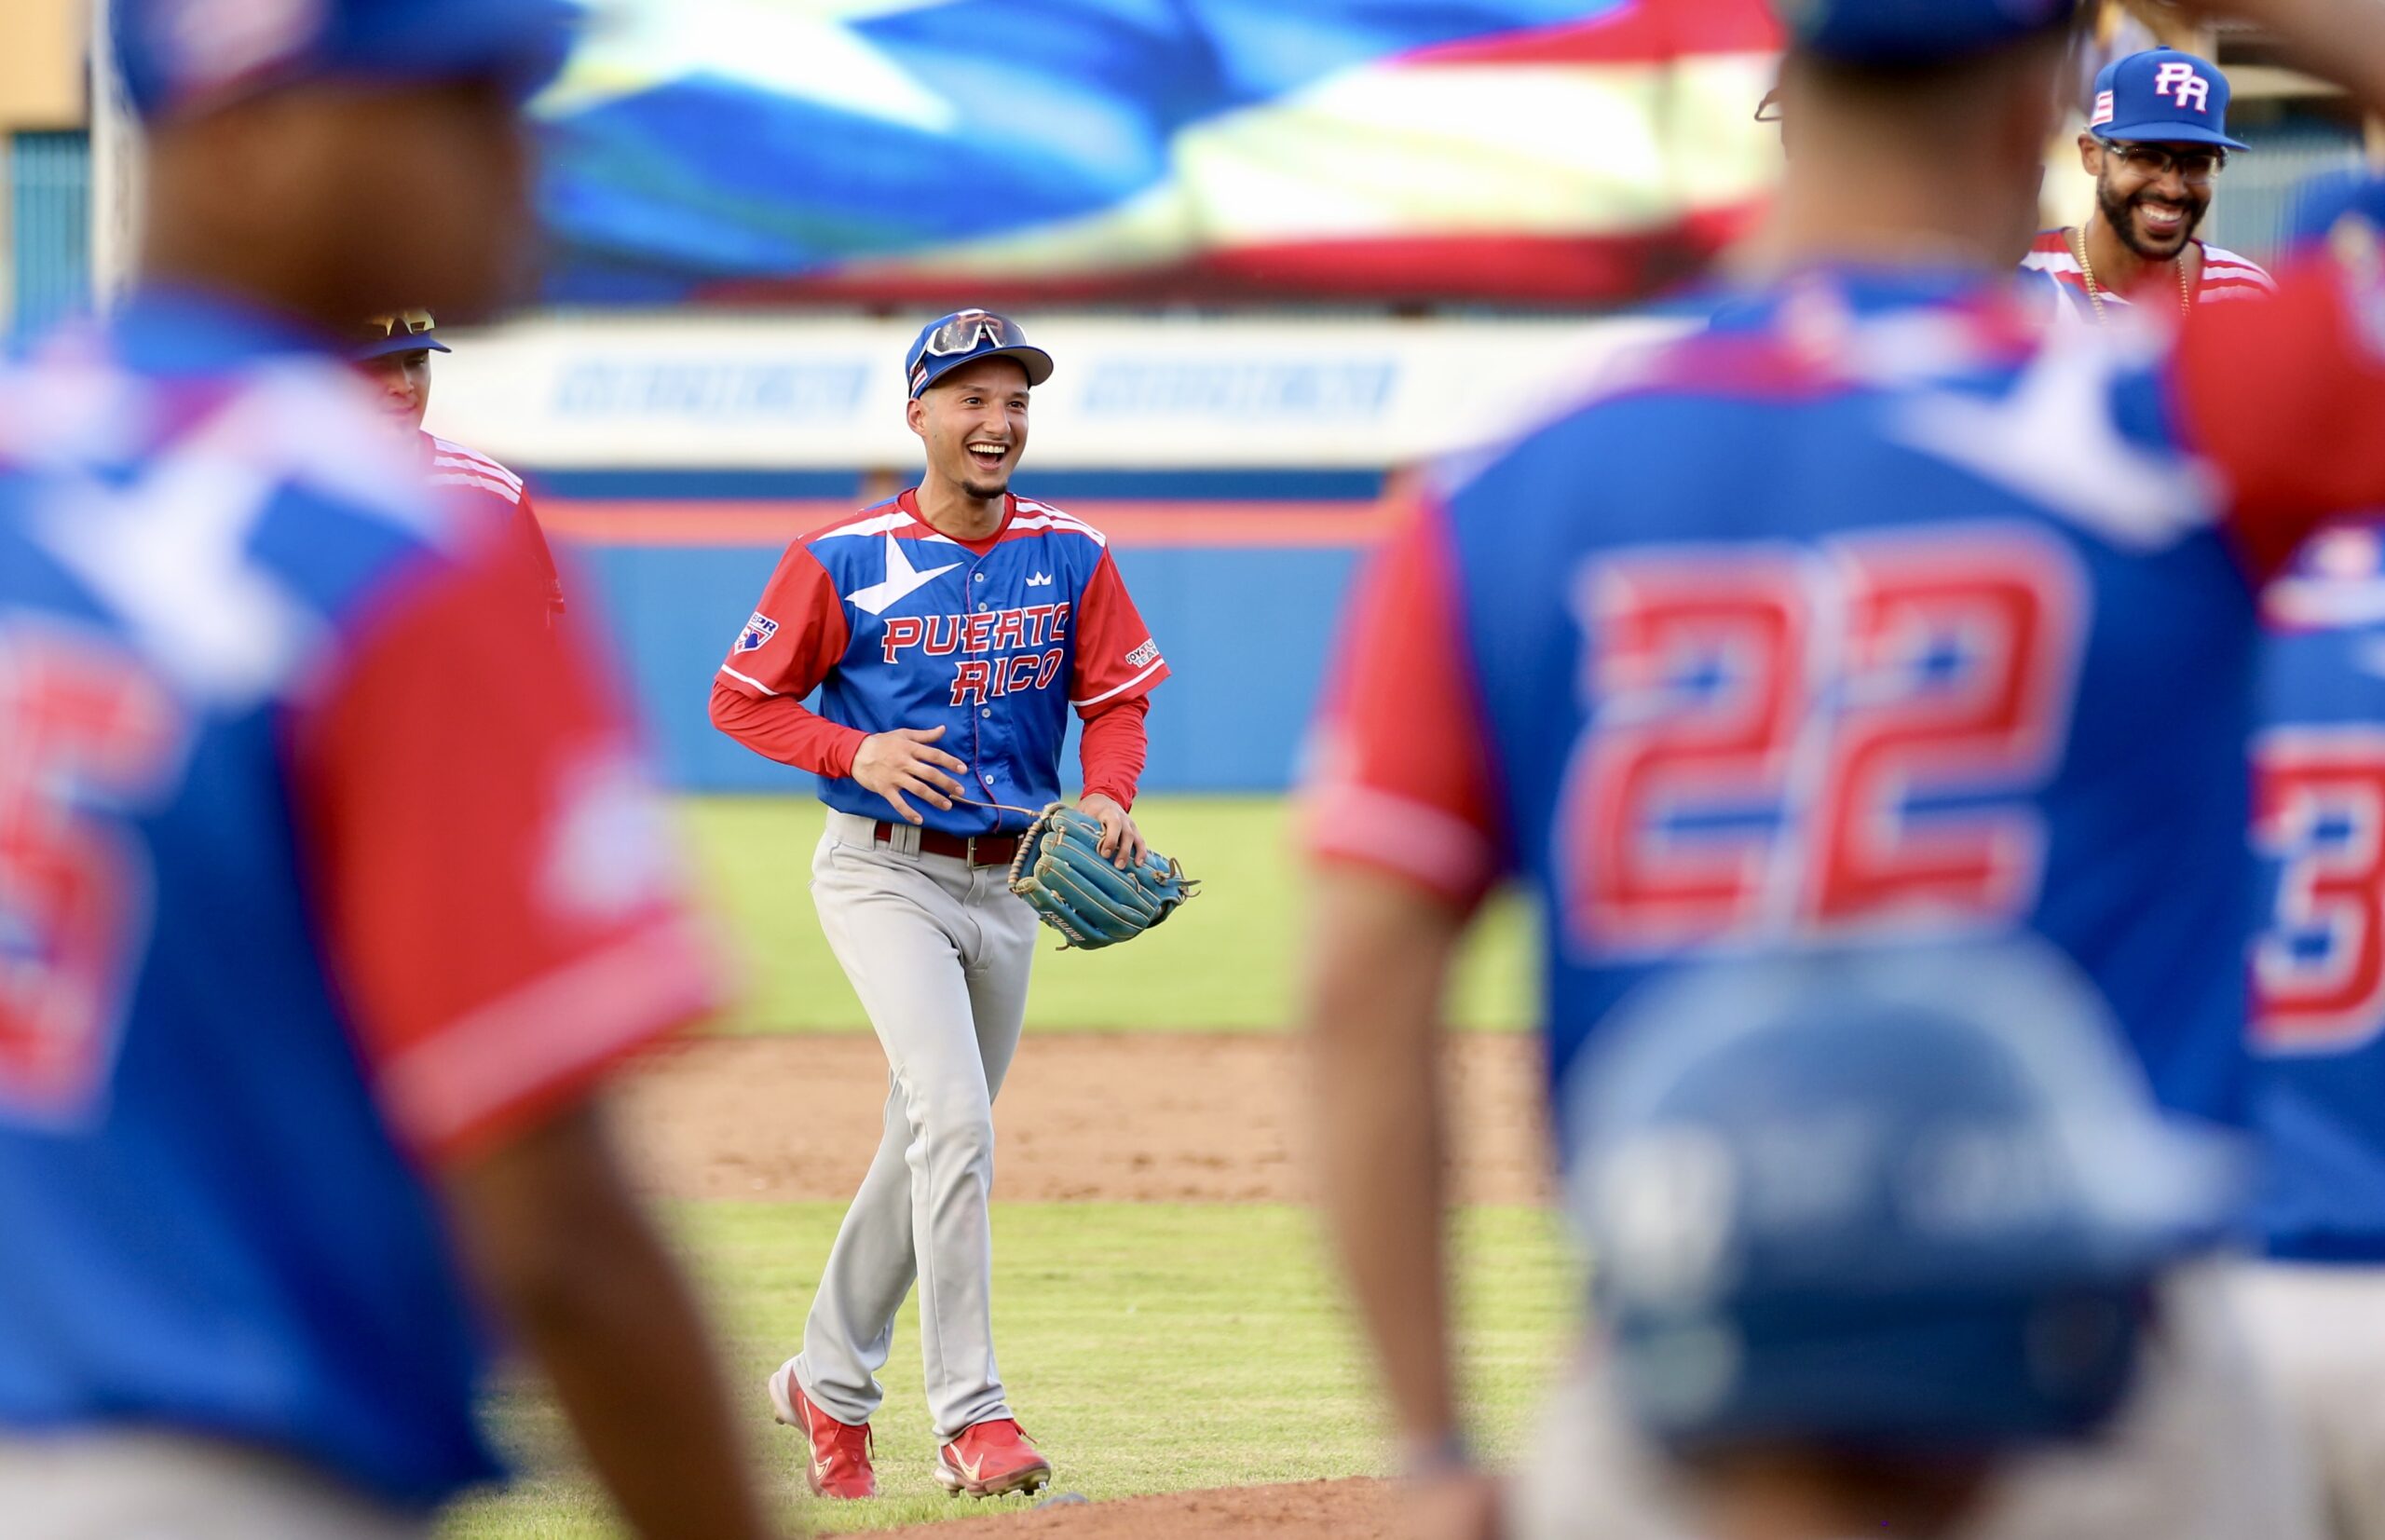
400,332
1915,31
964,336
1910,1198
2163,97
178,54
2326,206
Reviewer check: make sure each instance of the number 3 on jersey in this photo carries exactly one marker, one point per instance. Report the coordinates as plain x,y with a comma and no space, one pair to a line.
80,728
1790,740
2319,810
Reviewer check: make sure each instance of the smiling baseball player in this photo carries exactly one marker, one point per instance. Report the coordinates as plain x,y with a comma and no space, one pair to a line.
948,632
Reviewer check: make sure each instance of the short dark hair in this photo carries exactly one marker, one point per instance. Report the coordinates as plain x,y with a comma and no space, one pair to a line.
1907,86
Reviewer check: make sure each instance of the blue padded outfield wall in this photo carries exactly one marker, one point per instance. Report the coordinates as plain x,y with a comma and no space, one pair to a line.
1246,630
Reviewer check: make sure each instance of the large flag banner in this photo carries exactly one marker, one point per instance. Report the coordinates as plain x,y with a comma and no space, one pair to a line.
999,151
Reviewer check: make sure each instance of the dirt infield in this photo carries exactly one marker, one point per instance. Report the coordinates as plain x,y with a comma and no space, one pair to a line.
1138,1117
1355,1510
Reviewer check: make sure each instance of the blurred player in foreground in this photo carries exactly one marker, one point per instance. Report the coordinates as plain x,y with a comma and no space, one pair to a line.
395,356
1957,637
2156,142
1870,1226
330,887
2315,1304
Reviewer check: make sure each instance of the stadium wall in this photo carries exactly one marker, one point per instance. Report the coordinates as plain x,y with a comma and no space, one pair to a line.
1237,465
1241,589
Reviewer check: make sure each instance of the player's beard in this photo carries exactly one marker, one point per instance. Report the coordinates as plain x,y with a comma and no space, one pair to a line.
2121,214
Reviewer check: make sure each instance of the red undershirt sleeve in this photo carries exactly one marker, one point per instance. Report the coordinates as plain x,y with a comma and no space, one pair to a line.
1113,748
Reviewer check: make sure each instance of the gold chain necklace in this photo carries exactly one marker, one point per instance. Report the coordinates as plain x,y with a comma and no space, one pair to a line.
2095,289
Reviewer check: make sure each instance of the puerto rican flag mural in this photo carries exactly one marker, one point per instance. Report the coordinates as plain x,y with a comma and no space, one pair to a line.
992,151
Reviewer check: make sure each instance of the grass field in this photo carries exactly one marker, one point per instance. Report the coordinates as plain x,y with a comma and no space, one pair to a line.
1226,961
1148,1347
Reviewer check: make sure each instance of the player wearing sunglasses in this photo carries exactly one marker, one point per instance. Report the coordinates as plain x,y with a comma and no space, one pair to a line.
395,356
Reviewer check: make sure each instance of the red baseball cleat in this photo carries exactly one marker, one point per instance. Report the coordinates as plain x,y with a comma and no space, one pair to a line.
839,1451
991,1458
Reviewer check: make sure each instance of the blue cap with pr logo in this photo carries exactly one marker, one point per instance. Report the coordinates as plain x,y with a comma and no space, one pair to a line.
964,336
176,55
1915,31
2162,97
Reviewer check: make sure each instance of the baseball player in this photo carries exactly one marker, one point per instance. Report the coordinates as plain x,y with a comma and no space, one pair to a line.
395,356
330,890
1870,1227
948,632
2156,142
1885,615
2315,1304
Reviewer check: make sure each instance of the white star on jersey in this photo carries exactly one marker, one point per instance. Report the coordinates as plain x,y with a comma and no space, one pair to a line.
900,579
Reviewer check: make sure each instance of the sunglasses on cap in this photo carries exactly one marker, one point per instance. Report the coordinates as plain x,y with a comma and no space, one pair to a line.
401,323
966,331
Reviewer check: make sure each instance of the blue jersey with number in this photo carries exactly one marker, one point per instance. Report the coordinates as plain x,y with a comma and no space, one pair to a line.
898,625
1877,612
2319,963
308,839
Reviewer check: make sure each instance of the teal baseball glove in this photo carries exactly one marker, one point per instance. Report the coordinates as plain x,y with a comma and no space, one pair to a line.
1074,888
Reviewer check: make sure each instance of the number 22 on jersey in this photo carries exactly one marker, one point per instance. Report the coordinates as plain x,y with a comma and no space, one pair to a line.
82,726
1830,739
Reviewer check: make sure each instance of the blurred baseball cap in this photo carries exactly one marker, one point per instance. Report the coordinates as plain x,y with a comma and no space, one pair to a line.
965,336
1909,1199
1915,31
176,55
2336,204
2163,97
400,332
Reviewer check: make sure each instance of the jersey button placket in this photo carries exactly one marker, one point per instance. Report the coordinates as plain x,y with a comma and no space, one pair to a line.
985,710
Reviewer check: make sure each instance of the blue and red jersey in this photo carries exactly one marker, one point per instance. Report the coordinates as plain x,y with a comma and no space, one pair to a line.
1879,611
470,475
322,866
2319,963
897,625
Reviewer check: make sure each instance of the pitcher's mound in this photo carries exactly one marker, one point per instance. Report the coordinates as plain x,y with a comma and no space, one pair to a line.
1357,1509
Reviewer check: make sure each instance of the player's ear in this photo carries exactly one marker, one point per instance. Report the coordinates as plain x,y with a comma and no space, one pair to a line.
916,413
2091,153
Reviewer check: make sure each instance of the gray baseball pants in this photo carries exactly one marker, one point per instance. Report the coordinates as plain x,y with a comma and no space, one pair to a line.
938,951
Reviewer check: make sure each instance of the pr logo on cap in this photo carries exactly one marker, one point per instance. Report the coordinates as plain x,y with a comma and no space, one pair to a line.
2103,109
2179,81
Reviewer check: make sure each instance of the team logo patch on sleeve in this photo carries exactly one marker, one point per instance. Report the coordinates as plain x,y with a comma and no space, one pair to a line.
756,634
1144,654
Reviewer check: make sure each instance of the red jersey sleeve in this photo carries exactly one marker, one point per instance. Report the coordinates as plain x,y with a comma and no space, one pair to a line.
2284,397
795,638
540,553
787,647
1400,773
1115,658
495,882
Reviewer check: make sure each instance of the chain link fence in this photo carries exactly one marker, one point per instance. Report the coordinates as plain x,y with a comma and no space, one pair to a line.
49,226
